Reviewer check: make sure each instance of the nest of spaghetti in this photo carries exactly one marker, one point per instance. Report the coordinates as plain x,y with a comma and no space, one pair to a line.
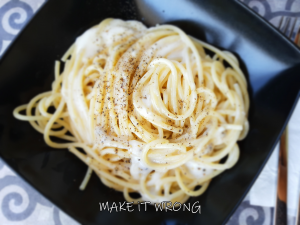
151,111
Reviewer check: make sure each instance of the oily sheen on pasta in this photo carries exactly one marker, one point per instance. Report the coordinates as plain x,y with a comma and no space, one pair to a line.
151,111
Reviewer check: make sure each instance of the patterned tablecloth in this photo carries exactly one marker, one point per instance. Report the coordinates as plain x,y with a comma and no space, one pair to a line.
20,204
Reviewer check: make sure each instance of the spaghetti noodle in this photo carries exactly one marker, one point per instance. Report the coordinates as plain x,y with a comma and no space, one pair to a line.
148,110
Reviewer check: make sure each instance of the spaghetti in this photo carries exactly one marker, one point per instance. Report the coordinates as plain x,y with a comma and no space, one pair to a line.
147,110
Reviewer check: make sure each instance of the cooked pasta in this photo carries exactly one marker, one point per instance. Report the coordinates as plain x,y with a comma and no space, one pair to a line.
151,111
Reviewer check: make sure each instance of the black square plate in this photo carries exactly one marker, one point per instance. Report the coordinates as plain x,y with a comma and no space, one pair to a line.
270,61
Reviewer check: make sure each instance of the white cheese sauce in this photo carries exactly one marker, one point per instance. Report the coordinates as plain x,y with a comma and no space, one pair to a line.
92,40
196,170
137,167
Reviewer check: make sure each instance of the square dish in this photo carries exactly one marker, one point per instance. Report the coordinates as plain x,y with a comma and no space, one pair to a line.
270,61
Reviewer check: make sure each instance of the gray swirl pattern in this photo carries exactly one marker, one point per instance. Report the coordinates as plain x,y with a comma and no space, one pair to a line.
21,204
18,199
13,16
1,164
